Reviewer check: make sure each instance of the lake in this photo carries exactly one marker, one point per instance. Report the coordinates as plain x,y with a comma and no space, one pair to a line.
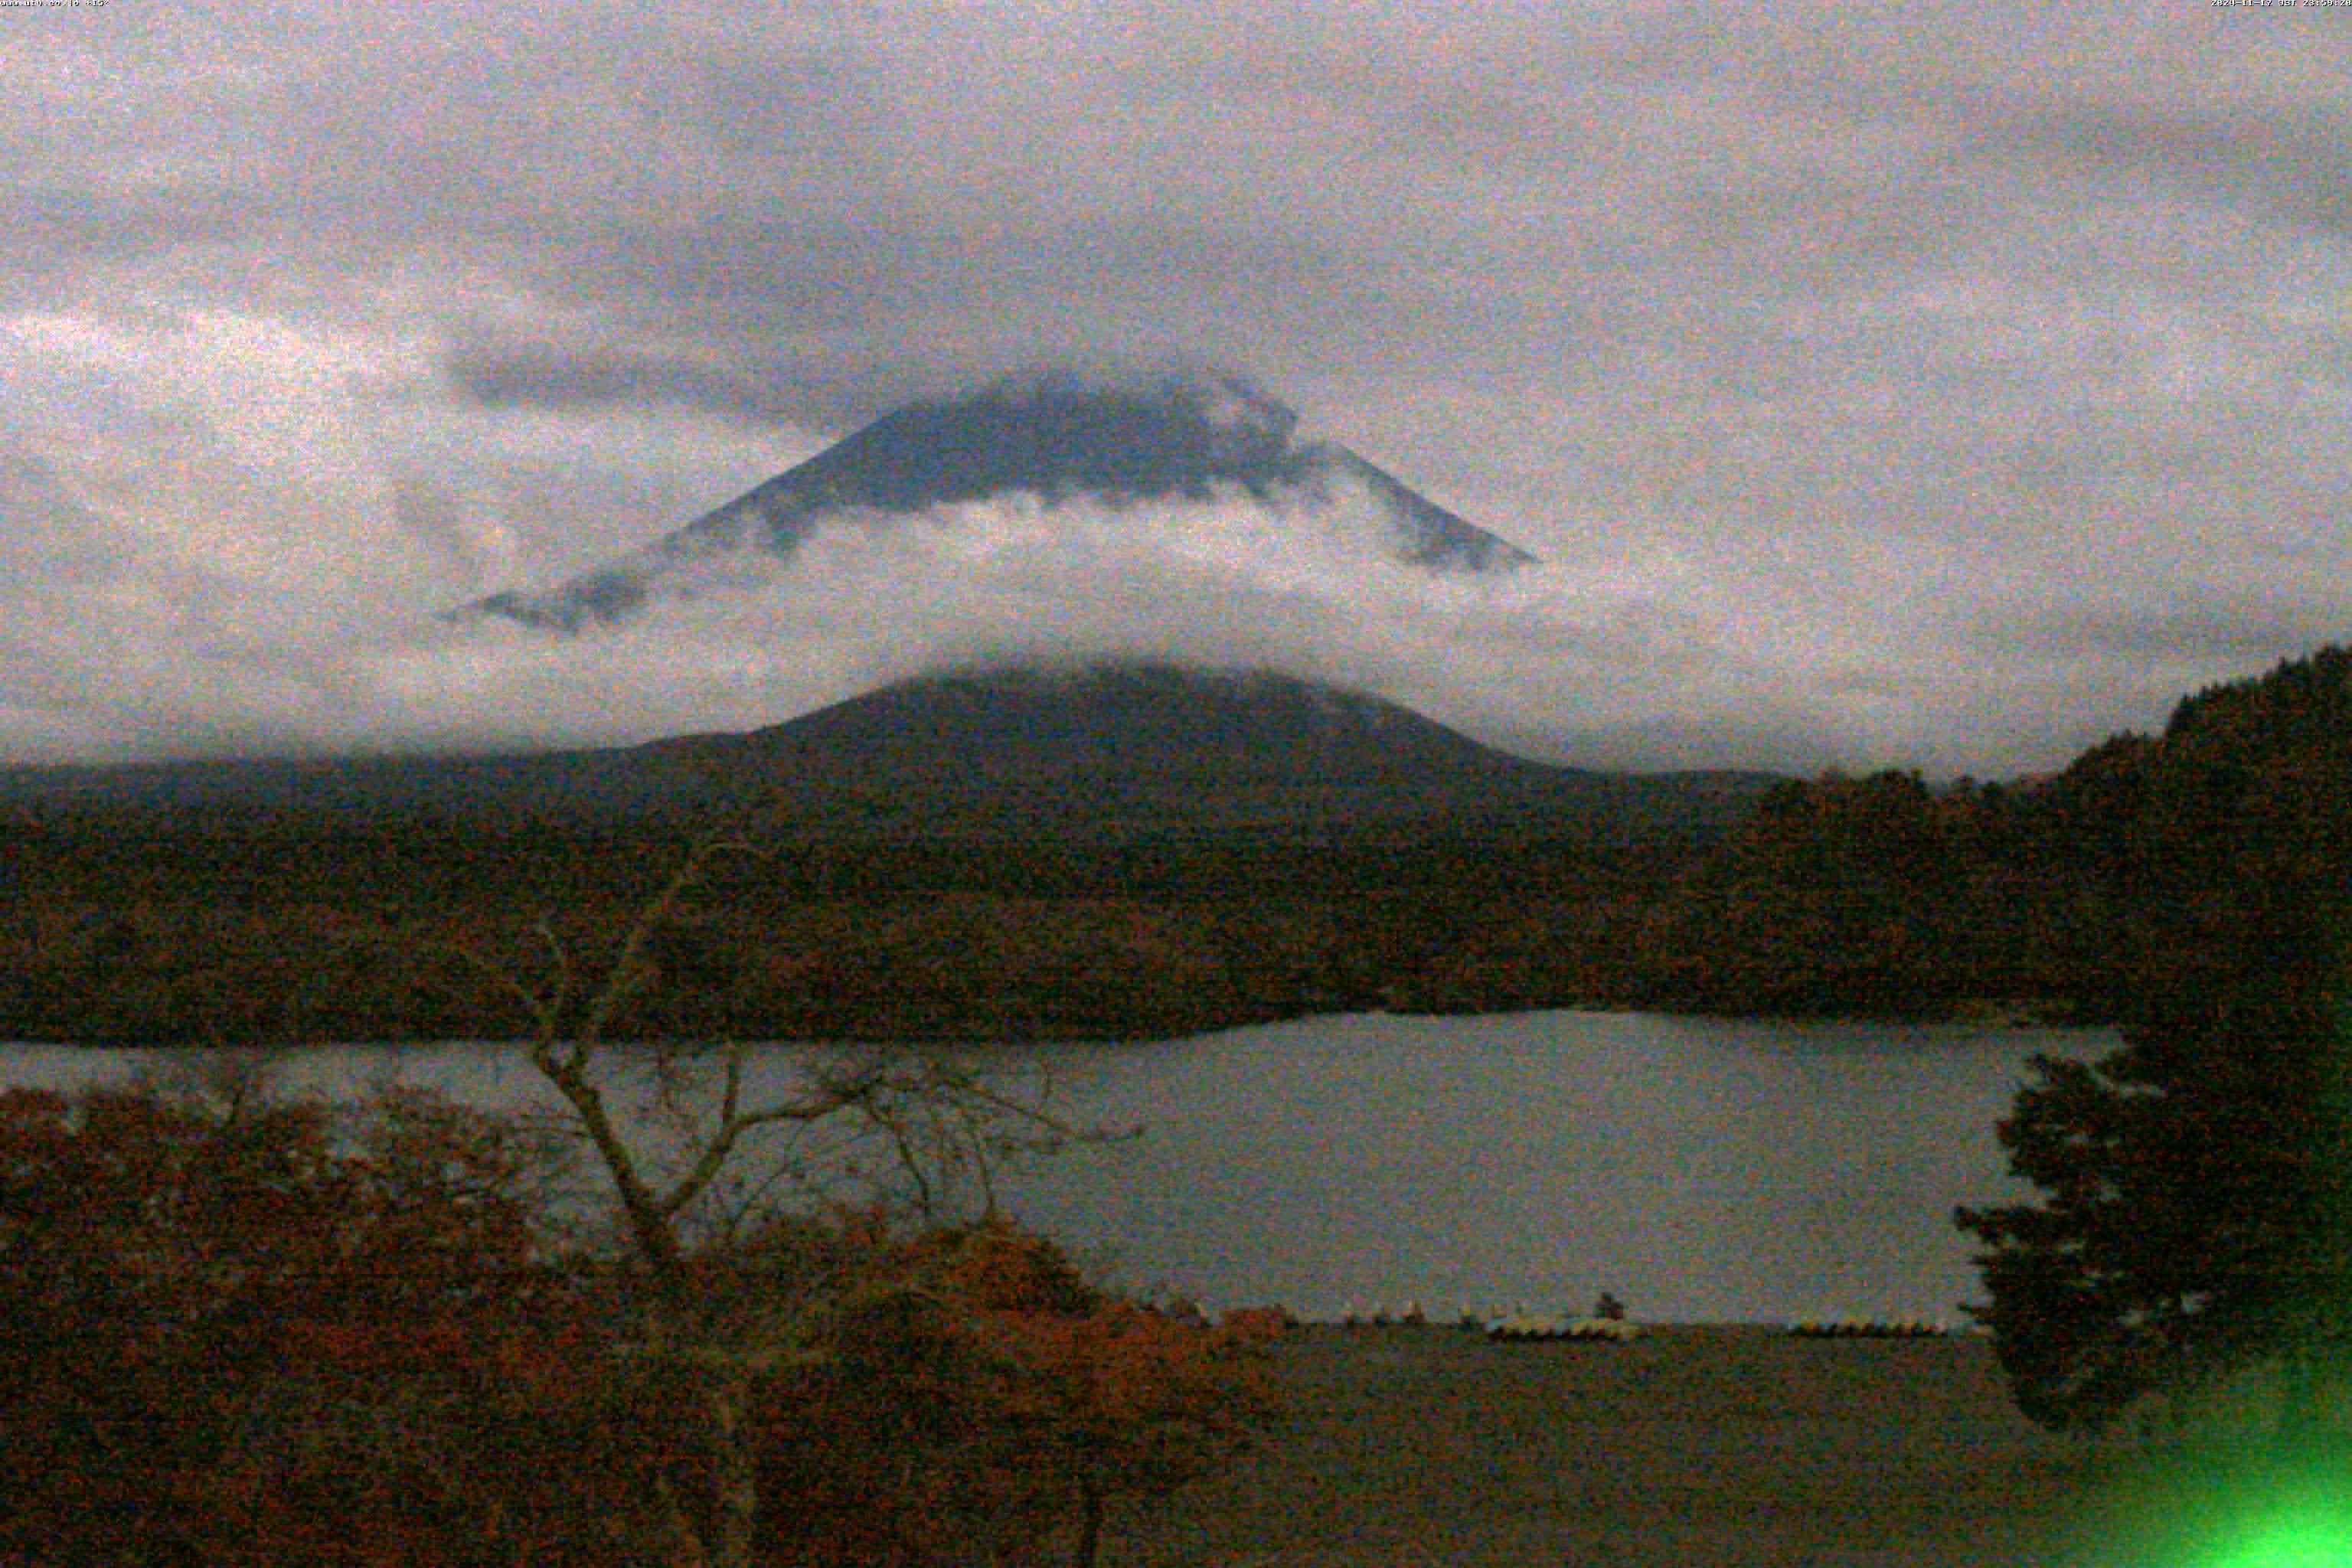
1700,1169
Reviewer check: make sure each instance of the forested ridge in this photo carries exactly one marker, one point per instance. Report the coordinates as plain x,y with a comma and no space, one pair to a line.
1859,896
2147,862
283,935
252,1329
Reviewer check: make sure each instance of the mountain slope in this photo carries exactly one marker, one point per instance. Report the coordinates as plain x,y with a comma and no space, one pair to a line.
1113,749
1055,435
1100,752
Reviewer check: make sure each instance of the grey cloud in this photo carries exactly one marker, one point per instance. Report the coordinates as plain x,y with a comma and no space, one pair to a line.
1784,740
1896,392
2294,163
499,375
45,536
2217,632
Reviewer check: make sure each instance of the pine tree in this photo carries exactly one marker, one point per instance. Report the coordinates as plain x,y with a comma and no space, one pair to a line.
2194,1219
2198,1184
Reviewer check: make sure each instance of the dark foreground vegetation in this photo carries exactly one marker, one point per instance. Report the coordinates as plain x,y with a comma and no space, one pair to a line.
923,899
240,1331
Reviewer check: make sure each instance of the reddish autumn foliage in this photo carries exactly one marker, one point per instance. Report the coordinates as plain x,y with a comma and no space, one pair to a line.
271,1337
980,1384
242,1338
1255,1325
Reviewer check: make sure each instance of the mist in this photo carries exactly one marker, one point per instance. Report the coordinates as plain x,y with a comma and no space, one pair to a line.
335,653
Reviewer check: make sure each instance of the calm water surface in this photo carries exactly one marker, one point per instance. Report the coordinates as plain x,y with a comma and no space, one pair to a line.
1700,1169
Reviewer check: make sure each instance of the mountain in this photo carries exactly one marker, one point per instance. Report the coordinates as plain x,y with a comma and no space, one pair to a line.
1115,749
1058,435
1094,751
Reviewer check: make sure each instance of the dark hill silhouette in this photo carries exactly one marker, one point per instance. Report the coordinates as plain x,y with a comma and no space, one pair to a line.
1100,751
1147,747
1118,851
1151,851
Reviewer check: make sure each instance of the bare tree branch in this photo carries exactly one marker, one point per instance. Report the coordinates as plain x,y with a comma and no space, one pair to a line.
941,1122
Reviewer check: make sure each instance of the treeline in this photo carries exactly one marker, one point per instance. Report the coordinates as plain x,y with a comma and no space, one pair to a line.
1880,896
2185,1265
2149,864
264,931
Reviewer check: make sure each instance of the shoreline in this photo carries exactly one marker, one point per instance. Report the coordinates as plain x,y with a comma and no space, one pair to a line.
1996,1016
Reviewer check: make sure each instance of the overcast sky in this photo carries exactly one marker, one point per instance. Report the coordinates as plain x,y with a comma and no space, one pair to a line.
1936,385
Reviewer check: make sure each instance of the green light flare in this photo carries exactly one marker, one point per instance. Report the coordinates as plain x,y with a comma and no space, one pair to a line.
2304,1540
2245,1504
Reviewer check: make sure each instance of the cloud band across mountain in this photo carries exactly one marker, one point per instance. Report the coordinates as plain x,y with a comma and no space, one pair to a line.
1043,439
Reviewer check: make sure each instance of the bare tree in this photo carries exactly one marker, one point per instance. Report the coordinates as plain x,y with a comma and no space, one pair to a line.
939,1124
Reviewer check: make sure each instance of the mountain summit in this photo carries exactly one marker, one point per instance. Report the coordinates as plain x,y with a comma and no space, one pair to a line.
1058,435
